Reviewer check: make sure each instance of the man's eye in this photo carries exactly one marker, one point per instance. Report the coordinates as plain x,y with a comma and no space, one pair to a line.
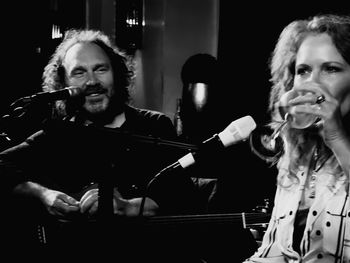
78,73
102,69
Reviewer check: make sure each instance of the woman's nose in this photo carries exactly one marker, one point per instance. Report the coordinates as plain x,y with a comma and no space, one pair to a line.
314,77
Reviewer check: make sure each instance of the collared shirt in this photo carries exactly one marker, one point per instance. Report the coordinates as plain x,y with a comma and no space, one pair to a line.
326,237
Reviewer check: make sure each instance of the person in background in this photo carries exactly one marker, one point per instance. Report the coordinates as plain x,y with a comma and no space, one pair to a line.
310,220
88,142
199,77
200,97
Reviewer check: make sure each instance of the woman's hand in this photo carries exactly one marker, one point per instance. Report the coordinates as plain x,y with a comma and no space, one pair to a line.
328,110
332,128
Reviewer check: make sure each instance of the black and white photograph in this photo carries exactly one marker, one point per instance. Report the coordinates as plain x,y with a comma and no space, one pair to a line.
192,131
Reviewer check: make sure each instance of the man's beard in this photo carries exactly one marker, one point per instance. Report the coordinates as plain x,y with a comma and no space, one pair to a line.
103,117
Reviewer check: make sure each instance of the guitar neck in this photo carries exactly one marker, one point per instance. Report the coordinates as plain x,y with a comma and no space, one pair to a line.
243,219
187,223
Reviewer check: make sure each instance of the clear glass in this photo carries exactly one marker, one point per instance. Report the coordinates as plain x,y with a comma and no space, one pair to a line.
296,120
265,142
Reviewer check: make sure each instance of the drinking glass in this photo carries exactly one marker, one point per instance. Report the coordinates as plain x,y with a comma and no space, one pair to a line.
296,120
265,142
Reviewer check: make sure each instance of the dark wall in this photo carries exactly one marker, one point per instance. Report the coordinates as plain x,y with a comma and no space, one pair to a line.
27,42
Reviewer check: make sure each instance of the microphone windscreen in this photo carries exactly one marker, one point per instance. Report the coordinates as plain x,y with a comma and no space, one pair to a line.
75,91
237,131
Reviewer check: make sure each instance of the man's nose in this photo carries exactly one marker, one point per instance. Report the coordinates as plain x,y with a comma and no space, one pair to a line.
92,80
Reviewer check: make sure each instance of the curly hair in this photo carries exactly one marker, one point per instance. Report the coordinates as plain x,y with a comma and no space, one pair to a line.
282,69
53,77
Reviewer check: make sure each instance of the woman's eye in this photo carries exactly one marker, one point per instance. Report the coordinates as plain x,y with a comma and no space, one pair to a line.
332,69
302,71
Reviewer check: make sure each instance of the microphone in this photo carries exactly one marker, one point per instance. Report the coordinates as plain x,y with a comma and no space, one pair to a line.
239,130
47,96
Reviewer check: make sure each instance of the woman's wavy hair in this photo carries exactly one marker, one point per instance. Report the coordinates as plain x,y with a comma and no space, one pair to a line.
282,69
53,77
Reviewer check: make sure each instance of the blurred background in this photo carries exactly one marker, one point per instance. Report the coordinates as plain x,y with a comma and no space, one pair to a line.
162,35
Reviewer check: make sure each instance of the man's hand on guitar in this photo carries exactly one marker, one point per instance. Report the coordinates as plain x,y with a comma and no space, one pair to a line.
89,202
55,202
121,206
59,204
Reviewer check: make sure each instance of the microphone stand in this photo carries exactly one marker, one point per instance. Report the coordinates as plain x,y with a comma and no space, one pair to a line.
144,196
16,112
24,109
117,134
